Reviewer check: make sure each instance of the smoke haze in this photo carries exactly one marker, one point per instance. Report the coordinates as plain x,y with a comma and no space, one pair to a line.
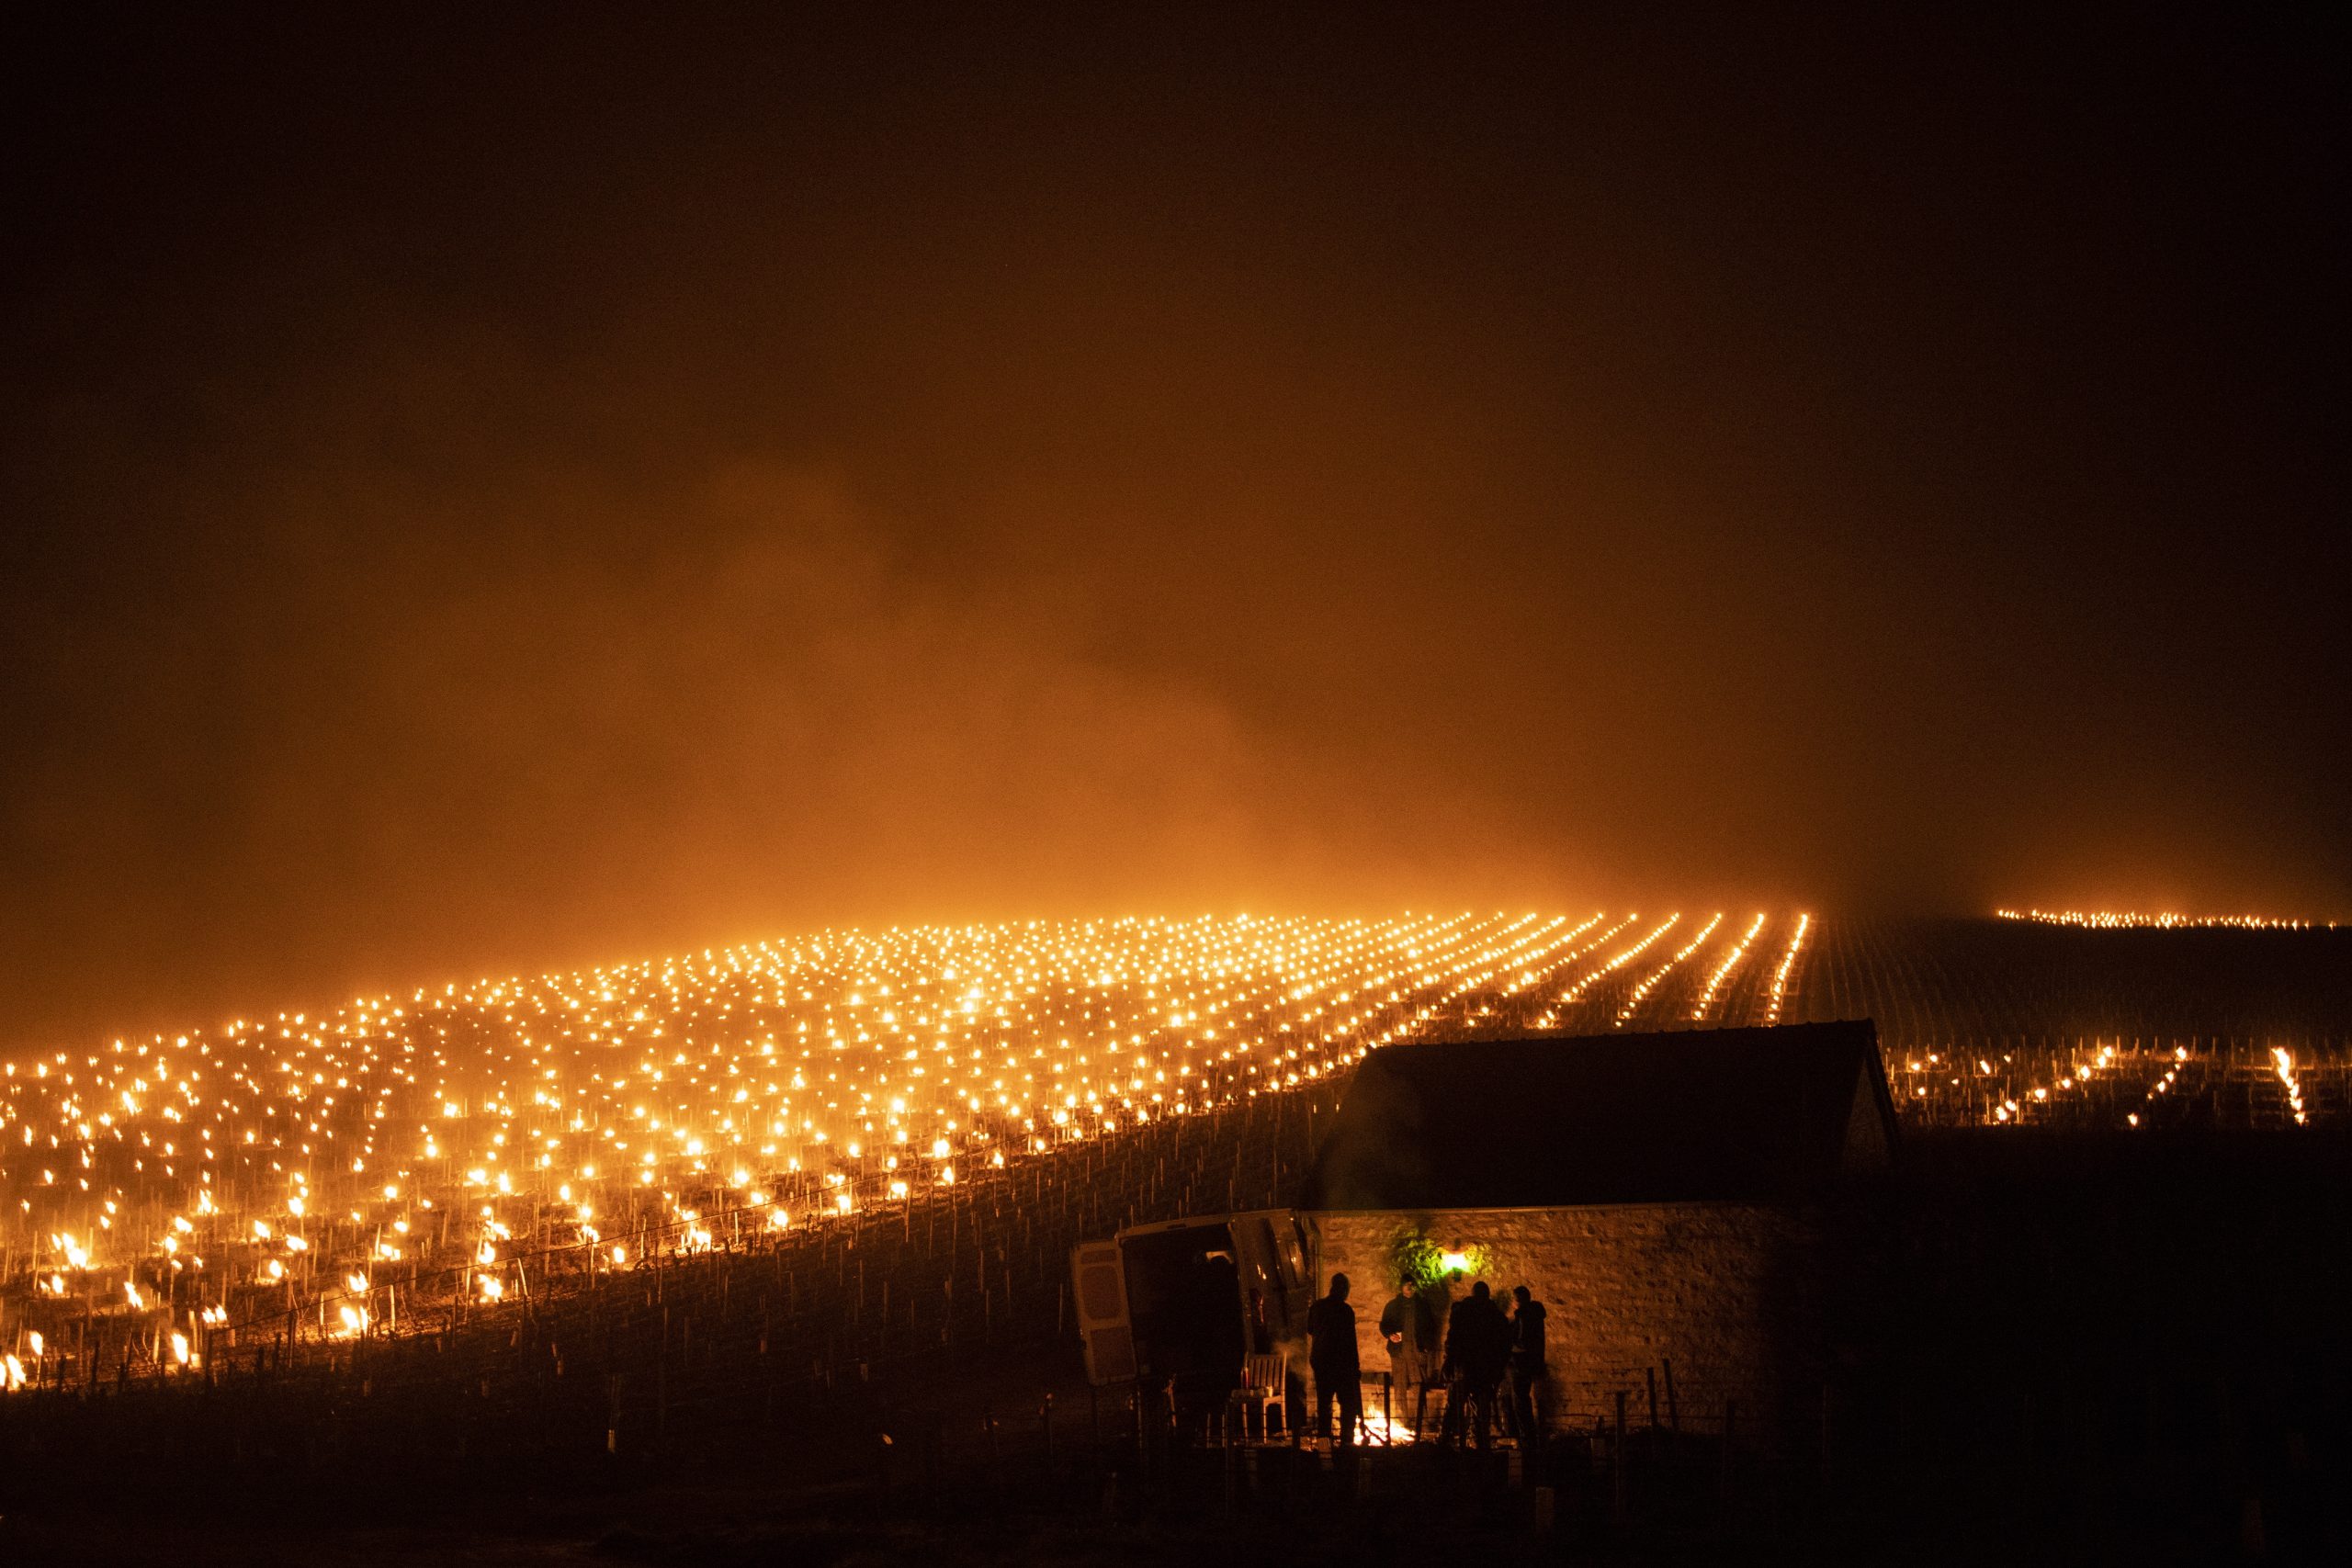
527,491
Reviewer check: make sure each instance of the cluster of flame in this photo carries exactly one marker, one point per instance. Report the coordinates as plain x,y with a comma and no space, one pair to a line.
1634,998
796,1079
775,1084
1574,993
2080,1068
1779,991
1932,1067
2128,919
1730,961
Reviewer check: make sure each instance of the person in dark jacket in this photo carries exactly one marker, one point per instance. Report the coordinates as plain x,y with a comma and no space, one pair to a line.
1526,1365
1477,1348
1410,1330
1331,1354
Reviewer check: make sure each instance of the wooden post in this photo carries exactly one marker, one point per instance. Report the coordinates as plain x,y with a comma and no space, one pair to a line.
1731,1441
1617,1465
1826,1397
661,1386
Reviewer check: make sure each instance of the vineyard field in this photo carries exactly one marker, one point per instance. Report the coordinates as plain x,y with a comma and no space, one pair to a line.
209,1203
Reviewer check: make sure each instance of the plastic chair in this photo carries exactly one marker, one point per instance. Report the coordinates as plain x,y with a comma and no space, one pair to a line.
1265,1381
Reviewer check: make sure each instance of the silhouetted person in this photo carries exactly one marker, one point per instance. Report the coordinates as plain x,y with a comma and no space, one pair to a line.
1526,1365
1477,1348
1409,1329
1331,1353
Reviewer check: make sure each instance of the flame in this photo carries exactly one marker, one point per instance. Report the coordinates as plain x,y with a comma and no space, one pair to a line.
2283,1063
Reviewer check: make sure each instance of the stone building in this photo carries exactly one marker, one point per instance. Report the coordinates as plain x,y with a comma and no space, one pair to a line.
1690,1207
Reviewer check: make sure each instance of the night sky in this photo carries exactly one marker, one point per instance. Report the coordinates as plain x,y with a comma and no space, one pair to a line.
491,491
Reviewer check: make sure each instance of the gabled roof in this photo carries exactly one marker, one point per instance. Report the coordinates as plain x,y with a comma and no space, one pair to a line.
1700,1115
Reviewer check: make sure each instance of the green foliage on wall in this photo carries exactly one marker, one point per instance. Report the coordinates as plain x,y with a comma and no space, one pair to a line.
1413,1256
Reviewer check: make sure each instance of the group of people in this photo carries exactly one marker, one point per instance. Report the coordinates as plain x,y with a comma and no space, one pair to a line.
1482,1345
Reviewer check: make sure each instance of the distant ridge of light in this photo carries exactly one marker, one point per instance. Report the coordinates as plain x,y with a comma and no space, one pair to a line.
2131,919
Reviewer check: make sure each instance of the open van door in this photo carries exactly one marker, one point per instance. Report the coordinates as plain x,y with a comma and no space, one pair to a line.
1099,1282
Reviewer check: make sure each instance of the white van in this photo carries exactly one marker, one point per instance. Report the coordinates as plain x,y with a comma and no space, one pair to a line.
1184,1303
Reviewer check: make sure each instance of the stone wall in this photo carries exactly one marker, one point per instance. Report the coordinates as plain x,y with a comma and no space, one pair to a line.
1730,1295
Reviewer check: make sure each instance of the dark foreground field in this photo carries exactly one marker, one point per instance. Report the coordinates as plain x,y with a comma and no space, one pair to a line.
2109,1349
